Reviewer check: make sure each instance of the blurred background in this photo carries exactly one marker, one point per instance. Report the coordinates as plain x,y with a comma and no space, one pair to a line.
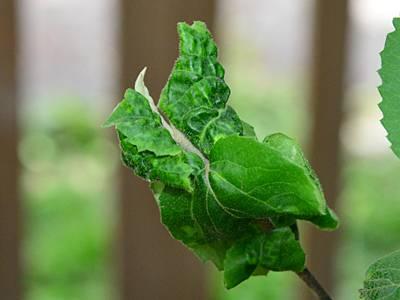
75,225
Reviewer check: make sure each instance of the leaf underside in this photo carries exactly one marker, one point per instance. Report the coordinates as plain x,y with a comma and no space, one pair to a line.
390,88
215,183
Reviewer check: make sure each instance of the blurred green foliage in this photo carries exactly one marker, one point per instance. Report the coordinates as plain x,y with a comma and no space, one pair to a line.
69,217
370,212
275,286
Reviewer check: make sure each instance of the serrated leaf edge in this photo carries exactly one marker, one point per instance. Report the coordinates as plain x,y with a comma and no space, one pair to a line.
383,119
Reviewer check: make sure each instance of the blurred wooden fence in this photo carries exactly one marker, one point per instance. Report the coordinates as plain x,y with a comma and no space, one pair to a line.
151,265
10,286
327,98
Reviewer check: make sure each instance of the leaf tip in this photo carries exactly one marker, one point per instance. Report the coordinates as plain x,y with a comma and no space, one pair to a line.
140,87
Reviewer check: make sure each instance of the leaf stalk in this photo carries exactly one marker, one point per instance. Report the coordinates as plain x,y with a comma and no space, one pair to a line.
313,284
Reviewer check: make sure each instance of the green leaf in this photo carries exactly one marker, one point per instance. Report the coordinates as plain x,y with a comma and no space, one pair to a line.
175,208
216,221
147,146
382,280
282,251
177,216
390,88
231,199
292,151
327,221
195,96
277,250
255,180
242,260
174,170
248,130
142,127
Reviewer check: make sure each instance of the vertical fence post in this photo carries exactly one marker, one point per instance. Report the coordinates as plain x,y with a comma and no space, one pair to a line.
327,94
9,201
152,264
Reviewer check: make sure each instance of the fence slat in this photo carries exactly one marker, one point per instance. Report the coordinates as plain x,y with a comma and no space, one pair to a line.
152,265
9,201
327,97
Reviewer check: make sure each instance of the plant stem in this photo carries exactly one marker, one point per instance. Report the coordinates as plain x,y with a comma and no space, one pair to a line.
313,284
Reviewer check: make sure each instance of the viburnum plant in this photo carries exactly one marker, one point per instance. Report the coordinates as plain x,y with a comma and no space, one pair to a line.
229,197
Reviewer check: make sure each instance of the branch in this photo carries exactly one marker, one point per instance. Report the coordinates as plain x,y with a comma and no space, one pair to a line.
313,284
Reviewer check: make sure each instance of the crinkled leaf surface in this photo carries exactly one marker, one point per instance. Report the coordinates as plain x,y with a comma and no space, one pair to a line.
195,96
147,147
390,88
230,198
382,280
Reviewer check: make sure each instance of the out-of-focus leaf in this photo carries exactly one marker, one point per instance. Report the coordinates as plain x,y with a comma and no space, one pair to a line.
390,88
382,280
